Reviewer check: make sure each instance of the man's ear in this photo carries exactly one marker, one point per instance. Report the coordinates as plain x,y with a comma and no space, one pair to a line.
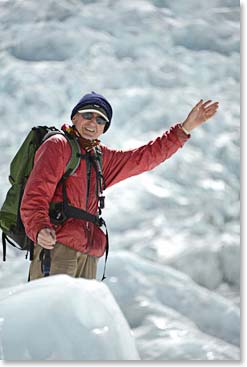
74,118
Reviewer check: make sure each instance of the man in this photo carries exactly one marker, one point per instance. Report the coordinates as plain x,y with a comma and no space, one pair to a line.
75,244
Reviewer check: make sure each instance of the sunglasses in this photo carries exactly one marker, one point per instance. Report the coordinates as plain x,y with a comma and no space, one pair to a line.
89,116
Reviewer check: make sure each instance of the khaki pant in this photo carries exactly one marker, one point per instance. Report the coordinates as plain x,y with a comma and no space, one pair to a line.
65,260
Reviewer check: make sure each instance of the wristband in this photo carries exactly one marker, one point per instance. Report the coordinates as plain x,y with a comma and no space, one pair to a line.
185,130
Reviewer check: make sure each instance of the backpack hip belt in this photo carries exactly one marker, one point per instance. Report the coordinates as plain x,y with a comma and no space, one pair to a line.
60,212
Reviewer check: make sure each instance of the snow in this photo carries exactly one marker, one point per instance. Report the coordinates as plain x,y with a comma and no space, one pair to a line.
62,318
144,281
174,263
170,316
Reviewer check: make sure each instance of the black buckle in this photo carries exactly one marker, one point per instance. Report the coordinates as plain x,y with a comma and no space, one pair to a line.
101,202
57,214
101,222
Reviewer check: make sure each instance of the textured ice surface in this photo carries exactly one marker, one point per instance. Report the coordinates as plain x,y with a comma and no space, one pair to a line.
61,318
146,292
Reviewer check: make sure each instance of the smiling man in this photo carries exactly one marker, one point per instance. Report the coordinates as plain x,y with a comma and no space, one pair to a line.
90,125
75,244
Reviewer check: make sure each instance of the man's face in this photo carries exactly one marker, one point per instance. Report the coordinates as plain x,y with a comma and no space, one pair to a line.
88,128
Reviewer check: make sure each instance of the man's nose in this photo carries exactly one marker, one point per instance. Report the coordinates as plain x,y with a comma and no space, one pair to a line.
93,119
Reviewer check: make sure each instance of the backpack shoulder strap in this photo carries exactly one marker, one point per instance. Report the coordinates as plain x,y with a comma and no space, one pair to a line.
98,158
98,155
98,161
75,158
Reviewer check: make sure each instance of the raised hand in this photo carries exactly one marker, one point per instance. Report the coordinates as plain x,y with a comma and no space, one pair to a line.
199,114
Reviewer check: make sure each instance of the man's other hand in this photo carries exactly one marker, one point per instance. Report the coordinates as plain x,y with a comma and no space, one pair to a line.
46,238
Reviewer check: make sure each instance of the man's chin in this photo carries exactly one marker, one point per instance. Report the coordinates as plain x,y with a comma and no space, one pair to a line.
87,135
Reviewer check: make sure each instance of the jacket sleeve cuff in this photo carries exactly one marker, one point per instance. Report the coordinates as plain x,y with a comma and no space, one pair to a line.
180,134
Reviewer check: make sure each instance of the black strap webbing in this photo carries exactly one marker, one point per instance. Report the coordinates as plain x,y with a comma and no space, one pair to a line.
73,212
4,240
106,251
4,246
45,258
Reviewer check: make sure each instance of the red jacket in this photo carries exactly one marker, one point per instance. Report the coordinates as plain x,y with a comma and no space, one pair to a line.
117,165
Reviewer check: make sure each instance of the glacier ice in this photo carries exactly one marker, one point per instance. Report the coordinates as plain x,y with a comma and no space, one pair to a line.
62,318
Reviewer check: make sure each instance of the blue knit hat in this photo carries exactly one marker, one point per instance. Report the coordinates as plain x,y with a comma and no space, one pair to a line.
95,102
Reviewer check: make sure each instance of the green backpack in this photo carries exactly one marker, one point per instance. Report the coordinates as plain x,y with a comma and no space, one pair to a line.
20,169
